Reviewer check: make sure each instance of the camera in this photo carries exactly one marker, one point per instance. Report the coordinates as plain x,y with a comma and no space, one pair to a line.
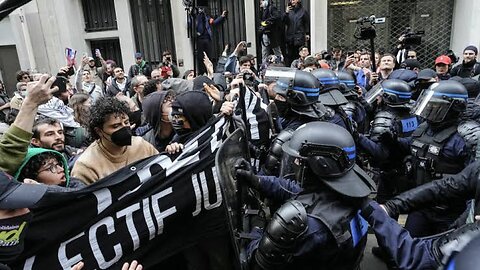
366,28
412,38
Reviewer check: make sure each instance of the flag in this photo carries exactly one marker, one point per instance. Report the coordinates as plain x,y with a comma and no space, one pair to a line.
146,211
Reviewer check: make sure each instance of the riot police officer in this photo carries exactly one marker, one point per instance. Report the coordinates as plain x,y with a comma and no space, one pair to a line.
331,97
319,224
354,108
437,150
297,103
393,117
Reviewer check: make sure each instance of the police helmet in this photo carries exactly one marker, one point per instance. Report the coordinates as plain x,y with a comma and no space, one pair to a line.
467,258
330,94
442,100
301,91
395,93
347,82
328,151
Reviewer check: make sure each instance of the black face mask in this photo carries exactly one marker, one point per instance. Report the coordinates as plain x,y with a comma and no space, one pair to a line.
136,118
12,236
177,125
122,137
282,107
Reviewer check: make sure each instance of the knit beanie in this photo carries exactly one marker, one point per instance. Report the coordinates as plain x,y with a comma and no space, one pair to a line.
472,48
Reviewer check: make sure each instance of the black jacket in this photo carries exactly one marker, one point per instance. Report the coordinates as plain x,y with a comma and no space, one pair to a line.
298,25
113,89
466,70
452,189
273,19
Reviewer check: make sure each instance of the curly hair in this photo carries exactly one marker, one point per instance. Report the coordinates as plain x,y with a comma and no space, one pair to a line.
80,111
30,170
101,110
20,75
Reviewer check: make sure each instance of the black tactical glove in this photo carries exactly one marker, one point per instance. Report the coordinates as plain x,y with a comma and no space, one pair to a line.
390,139
245,173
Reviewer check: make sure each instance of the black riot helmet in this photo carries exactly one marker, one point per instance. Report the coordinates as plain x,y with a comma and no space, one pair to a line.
443,100
327,152
467,258
395,93
301,92
330,94
347,83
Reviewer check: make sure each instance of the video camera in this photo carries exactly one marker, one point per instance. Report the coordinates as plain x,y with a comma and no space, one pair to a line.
366,27
412,38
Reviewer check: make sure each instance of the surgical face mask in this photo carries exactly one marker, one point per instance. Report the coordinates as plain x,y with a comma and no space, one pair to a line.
23,93
122,137
12,236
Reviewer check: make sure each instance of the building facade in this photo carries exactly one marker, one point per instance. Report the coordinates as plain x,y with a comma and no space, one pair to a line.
34,37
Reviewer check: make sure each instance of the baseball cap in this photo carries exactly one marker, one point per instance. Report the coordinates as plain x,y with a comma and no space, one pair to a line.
16,195
443,59
91,59
138,55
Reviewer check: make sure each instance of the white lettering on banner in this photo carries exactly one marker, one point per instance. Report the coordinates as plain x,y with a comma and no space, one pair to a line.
97,252
159,215
148,218
65,262
198,195
205,191
128,213
154,222
104,198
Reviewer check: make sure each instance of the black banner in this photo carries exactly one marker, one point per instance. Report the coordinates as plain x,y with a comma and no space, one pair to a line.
146,211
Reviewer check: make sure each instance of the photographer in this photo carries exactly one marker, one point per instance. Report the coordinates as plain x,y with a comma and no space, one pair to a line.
270,28
469,67
168,68
405,45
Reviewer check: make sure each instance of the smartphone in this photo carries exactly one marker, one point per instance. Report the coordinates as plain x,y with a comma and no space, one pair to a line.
350,53
249,44
97,52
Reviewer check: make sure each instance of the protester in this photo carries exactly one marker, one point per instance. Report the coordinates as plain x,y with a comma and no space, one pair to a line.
120,84
95,72
270,28
114,146
297,22
141,67
469,67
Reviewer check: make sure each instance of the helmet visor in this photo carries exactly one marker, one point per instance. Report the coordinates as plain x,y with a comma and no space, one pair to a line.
372,95
431,106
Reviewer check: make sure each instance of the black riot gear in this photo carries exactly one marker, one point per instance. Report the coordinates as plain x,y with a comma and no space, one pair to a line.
301,92
394,93
278,243
328,151
330,94
400,123
442,101
347,83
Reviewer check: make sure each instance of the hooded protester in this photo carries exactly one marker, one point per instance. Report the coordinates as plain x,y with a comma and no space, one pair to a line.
48,167
157,108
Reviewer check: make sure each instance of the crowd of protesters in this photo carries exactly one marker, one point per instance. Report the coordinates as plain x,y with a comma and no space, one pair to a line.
72,129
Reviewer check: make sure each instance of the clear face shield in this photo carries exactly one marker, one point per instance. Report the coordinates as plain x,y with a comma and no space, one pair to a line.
432,106
376,91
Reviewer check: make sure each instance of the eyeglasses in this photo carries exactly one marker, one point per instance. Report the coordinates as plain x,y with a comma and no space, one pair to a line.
53,168
168,98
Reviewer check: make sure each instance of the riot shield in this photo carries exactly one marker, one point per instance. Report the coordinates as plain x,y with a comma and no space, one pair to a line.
233,148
